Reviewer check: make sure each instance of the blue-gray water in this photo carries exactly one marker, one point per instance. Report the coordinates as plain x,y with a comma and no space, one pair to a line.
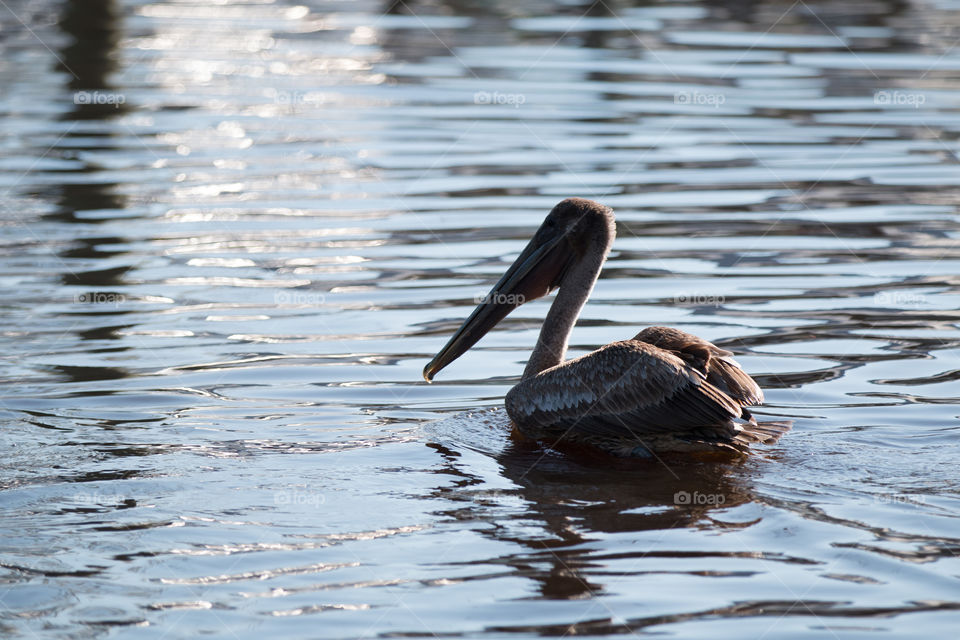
234,233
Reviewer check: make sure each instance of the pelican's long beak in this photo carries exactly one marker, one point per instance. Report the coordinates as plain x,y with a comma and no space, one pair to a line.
535,273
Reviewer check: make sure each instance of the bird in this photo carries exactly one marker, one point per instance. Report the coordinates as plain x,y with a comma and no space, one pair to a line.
664,390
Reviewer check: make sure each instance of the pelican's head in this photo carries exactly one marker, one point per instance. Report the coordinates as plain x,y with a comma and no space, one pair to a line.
568,232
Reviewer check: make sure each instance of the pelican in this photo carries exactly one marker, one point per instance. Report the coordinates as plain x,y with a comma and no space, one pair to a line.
662,390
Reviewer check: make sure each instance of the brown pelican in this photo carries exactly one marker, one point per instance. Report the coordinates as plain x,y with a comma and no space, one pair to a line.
662,390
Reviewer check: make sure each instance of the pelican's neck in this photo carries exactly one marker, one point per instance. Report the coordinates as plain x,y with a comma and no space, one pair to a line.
573,293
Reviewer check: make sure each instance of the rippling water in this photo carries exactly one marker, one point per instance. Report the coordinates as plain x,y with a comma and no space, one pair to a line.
234,233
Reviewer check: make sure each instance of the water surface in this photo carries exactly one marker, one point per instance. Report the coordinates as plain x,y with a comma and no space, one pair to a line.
234,233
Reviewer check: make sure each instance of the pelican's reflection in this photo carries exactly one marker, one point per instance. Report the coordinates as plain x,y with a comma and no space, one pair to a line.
571,500
575,498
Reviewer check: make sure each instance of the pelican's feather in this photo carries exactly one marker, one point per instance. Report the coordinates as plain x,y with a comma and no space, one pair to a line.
622,390
715,363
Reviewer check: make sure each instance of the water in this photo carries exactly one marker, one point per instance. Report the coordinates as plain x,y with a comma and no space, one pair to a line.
233,234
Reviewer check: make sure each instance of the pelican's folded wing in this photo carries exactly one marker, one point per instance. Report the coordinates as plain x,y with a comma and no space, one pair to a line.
717,364
725,373
622,389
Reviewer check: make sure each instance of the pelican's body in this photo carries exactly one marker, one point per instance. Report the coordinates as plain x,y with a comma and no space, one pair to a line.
662,390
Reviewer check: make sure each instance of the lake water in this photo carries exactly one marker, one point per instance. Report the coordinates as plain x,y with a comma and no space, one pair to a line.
234,233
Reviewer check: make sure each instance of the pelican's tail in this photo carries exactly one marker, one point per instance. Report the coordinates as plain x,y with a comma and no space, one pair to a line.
762,432
748,432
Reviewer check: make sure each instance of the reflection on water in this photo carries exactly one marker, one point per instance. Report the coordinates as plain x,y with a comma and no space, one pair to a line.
234,234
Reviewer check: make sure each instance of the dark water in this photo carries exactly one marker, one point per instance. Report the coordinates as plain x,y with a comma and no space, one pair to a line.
233,234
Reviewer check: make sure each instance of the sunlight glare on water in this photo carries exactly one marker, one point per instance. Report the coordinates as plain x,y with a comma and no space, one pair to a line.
234,234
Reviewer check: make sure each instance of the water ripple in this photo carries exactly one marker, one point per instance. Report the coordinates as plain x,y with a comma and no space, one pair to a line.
234,233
